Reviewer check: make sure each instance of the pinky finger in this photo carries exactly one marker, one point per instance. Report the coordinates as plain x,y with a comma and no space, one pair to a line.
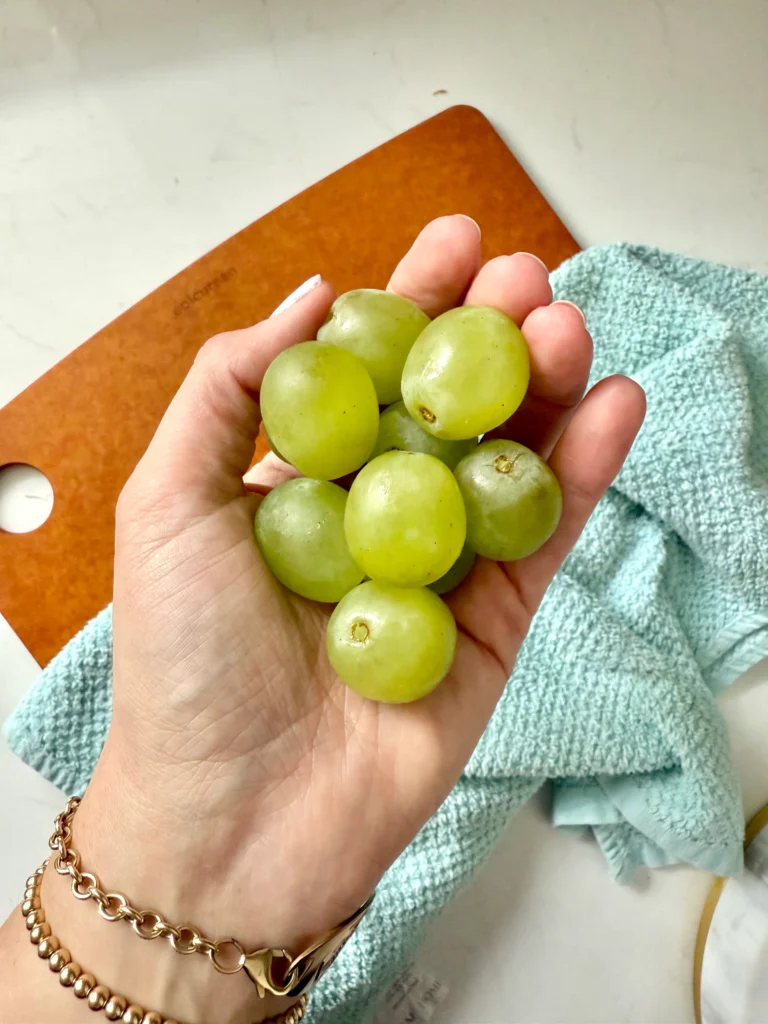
585,460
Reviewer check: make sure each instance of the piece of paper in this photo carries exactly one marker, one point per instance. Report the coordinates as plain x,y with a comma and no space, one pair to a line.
412,999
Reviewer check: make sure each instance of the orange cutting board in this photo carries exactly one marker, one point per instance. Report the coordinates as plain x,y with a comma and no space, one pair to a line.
86,423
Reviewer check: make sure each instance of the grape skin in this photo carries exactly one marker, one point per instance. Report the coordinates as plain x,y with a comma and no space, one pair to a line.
512,498
399,431
408,522
466,373
391,644
320,409
299,528
379,327
457,573
405,521
273,448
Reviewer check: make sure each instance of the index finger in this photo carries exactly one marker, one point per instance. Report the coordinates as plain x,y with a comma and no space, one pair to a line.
438,269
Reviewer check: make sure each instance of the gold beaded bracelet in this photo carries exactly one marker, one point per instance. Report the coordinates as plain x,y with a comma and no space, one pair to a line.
82,982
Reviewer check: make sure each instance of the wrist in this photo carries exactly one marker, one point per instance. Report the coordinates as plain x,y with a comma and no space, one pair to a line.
188,875
148,973
154,973
234,863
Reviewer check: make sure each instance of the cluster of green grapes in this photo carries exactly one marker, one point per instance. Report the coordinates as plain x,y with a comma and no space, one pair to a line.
429,496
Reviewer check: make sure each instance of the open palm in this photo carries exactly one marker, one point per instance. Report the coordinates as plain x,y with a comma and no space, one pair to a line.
226,709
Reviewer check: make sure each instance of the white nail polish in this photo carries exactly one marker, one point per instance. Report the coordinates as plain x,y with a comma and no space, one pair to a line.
298,293
535,257
579,310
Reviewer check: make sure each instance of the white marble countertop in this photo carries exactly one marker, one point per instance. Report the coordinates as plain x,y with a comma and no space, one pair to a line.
136,136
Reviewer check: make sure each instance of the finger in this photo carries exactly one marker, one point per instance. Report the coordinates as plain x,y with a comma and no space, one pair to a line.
515,284
206,439
561,356
440,265
269,473
585,460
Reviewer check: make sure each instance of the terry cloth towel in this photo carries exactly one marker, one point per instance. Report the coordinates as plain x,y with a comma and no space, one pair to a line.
662,603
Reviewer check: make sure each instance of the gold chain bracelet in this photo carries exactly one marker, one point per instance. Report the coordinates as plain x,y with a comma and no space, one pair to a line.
85,986
114,906
271,970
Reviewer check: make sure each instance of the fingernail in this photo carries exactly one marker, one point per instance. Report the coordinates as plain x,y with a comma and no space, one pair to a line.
535,257
471,220
298,293
579,310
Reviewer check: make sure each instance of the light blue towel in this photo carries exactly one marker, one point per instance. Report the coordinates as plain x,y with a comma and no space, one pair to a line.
662,603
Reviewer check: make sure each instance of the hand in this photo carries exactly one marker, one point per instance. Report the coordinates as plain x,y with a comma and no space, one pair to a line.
243,786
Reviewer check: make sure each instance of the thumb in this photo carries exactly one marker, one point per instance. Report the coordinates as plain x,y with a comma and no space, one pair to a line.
205,441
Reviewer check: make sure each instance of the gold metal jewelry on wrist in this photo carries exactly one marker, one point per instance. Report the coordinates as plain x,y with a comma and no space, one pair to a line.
84,985
271,970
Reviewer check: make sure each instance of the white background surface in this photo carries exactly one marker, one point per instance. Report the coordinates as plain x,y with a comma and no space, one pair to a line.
134,136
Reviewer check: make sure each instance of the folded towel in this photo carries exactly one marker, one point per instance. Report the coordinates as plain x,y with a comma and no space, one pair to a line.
662,603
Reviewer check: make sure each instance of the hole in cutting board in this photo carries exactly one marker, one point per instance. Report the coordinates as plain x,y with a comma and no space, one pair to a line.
26,498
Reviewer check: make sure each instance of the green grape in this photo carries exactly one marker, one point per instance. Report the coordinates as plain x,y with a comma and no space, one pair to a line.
380,328
399,431
512,497
300,530
457,573
466,373
273,447
320,410
405,521
391,644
